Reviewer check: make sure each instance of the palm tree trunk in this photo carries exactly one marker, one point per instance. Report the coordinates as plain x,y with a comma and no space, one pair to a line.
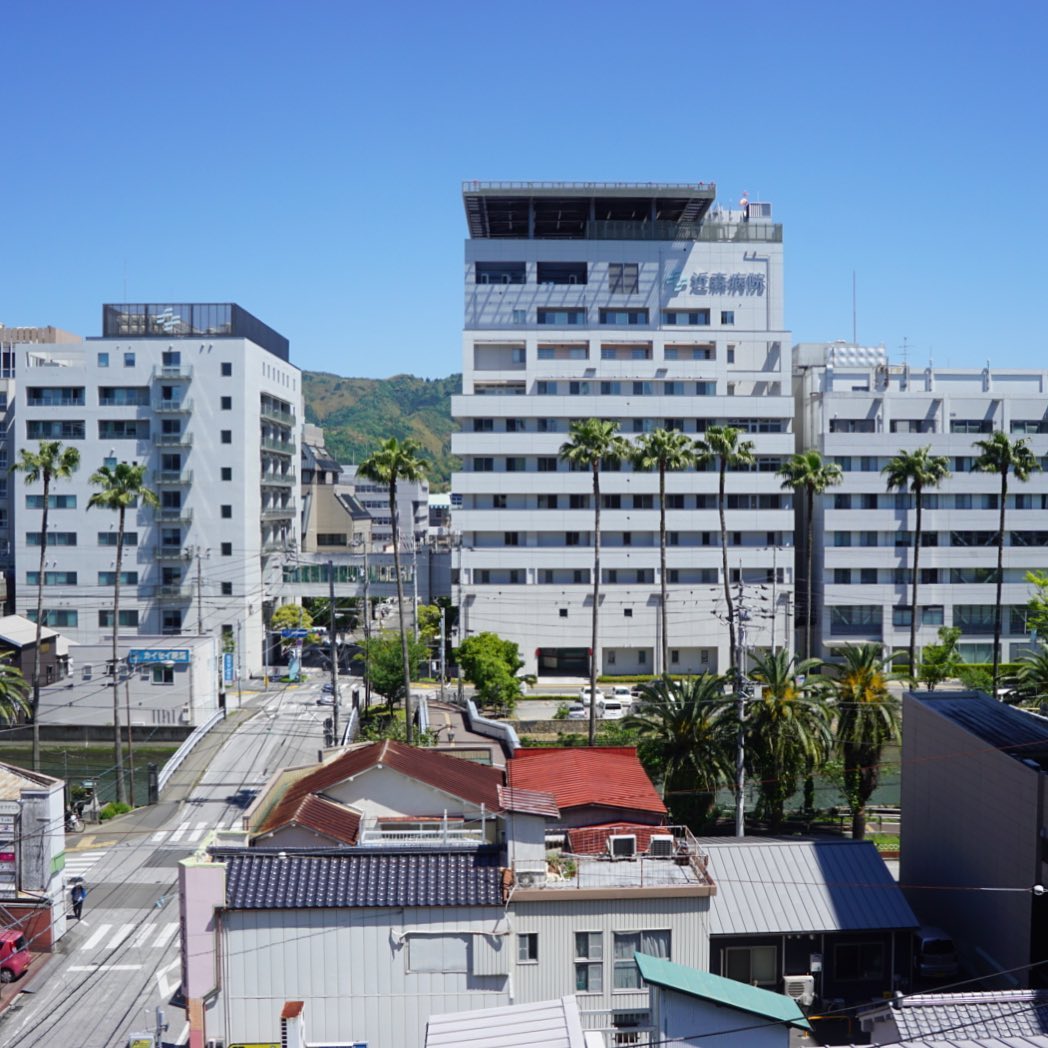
913,590
662,566
810,523
409,732
34,711
732,647
596,607
118,749
1000,579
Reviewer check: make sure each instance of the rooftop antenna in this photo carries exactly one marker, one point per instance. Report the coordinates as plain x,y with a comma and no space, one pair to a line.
905,351
855,337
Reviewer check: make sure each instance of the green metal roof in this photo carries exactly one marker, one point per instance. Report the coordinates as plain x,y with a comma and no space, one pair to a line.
728,992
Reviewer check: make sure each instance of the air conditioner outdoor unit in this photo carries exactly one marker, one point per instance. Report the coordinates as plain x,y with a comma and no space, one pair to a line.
801,988
622,845
661,846
530,879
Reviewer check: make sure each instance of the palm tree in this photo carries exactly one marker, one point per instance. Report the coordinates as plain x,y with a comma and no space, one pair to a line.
592,442
121,487
721,445
787,729
50,462
688,735
806,471
916,470
663,450
868,718
1033,674
1001,455
13,688
394,461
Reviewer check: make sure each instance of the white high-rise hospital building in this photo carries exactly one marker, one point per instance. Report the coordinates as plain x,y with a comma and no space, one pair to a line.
645,304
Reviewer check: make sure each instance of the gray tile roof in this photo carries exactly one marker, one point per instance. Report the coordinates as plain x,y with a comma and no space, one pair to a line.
266,882
971,1016
785,887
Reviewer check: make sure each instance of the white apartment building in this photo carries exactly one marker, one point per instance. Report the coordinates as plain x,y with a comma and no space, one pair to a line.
643,304
412,508
859,411
204,395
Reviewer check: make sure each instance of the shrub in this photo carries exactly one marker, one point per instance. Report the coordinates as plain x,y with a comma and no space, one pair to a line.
112,809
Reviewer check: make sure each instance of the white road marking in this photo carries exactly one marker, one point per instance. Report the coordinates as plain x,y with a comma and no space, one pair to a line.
183,1036
121,934
100,933
182,827
158,836
78,863
143,935
165,986
103,968
198,832
166,934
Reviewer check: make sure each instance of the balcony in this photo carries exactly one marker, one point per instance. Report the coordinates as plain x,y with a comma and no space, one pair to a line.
173,594
281,418
279,480
439,832
173,407
279,447
182,372
169,477
170,553
172,515
173,440
278,513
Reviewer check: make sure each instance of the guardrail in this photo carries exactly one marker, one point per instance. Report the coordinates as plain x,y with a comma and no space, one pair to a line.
492,729
349,733
422,705
175,761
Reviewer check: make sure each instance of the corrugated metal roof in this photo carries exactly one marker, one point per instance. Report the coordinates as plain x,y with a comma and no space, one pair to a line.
528,802
551,1024
608,776
1002,1013
716,988
593,840
20,631
325,817
272,882
792,886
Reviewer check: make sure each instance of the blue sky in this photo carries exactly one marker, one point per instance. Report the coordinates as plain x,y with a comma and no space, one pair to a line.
305,159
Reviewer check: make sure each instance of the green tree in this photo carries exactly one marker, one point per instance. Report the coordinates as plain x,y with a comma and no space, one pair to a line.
1033,674
393,462
915,471
722,448
663,450
688,741
319,609
382,654
50,462
291,617
1006,457
491,665
1037,605
787,729
121,487
13,689
429,622
940,661
591,443
807,472
868,718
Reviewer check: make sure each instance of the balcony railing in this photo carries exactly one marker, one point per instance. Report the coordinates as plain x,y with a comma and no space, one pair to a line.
170,553
172,440
173,407
173,476
281,418
439,833
279,480
278,513
174,371
173,593
280,447
170,515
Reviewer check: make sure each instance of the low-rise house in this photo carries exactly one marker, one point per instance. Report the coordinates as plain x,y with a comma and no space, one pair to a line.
691,1007
18,644
821,919
391,884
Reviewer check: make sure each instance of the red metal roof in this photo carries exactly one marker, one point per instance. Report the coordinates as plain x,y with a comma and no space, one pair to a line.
593,840
606,776
528,802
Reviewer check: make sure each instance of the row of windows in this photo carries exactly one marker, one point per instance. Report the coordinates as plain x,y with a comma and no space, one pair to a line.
874,464
619,576
855,619
578,316
934,538
108,429
969,576
930,425
611,388
170,358
623,277
170,538
632,425
553,464
935,500
617,501
612,539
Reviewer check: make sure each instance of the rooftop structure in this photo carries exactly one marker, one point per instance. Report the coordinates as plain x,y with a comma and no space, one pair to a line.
552,1024
1001,1016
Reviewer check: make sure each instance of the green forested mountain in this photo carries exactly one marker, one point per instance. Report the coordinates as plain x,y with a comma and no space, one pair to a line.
356,413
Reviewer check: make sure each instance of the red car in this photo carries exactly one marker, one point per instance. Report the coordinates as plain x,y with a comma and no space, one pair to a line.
14,955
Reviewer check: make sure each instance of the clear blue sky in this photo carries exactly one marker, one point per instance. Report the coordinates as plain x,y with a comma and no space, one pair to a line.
305,158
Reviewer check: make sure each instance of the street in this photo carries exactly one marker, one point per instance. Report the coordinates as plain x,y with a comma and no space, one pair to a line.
113,968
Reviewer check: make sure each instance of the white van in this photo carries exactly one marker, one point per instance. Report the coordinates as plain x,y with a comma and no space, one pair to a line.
934,954
610,709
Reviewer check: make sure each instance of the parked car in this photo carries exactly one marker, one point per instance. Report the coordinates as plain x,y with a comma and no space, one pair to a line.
623,693
577,711
610,709
14,955
584,695
934,954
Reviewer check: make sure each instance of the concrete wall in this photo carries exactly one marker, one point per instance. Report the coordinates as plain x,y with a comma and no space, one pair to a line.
678,1015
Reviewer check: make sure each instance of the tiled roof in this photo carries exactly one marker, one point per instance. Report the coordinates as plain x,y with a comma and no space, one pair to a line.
726,992
968,1016
268,882
593,840
528,802
786,887
608,776
322,816
475,783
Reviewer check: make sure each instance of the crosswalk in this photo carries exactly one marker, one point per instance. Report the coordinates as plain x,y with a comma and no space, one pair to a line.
110,936
77,863
184,833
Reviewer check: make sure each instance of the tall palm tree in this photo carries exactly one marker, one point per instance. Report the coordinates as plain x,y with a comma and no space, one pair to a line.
1033,674
787,729
721,446
806,471
394,461
50,462
688,736
121,487
13,688
999,454
663,450
868,718
592,442
915,470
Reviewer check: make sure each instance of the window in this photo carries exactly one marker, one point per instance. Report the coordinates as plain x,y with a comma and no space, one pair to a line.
53,502
54,538
842,576
227,589
108,538
227,512
589,962
438,953
500,272
511,538
623,277
103,360
123,429
54,429
498,501
483,425
227,549
730,355
625,974
560,273
128,617
227,472
520,316
562,317
727,316
855,620
563,612
51,578
227,369
690,317
547,463
860,961
755,965
516,464
547,501
578,501
54,396
227,436
171,427
163,675
127,578
624,317
571,538
129,360
483,464
227,403
527,948
867,576
971,425
171,358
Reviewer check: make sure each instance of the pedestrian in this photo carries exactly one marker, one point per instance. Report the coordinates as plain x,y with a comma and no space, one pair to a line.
77,895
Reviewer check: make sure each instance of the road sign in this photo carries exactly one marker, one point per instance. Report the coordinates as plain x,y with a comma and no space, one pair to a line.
227,667
294,634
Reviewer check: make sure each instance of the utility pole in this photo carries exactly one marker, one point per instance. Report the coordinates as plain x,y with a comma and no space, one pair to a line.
240,664
414,579
443,649
195,551
774,592
130,730
740,706
334,650
367,630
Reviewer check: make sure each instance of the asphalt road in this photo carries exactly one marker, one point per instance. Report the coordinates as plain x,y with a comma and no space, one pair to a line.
121,961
